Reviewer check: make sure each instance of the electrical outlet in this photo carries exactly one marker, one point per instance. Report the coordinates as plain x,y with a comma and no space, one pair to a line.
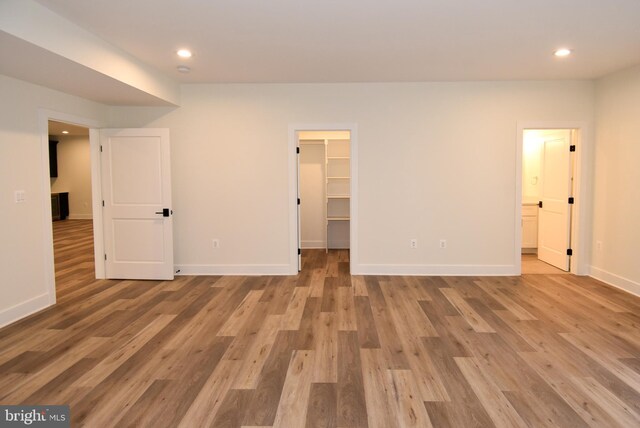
443,243
599,246
19,196
413,243
215,243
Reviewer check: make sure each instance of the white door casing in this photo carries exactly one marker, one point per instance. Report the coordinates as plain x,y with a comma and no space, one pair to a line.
298,204
293,190
136,190
554,217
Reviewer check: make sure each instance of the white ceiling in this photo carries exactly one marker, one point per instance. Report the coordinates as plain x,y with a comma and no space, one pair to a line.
56,128
366,40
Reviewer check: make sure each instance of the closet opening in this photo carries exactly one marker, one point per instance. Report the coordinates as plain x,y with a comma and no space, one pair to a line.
324,195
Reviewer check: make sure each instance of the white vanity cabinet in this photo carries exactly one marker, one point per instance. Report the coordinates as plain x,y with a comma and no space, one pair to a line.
529,228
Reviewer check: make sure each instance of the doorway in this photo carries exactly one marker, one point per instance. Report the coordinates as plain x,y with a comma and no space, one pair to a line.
71,203
323,186
44,116
325,191
548,196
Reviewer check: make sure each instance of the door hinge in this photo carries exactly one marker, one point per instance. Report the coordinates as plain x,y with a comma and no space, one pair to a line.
298,150
569,252
299,251
298,201
101,148
539,204
571,200
572,148
103,203
105,257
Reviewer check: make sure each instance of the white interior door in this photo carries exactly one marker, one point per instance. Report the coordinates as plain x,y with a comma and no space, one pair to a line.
554,215
136,189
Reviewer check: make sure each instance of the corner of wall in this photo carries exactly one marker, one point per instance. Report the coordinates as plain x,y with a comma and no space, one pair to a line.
24,309
616,281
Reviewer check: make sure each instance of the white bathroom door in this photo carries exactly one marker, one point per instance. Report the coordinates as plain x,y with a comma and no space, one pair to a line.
136,192
554,216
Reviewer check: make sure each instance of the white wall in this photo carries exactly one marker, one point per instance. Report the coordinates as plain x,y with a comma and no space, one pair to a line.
74,174
436,161
312,191
616,205
24,286
531,158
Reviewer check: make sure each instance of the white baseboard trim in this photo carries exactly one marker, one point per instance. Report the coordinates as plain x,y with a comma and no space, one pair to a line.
435,270
24,309
615,280
313,245
80,217
248,270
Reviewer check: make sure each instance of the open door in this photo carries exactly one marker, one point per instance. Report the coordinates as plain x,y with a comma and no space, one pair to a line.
137,215
554,222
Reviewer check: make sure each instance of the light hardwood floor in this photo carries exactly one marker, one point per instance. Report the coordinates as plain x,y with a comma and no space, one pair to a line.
531,265
326,349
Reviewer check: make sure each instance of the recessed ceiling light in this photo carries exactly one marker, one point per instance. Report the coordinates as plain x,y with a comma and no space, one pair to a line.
562,52
185,53
65,132
183,69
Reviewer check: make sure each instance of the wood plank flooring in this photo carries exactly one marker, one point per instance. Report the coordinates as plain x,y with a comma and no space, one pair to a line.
531,265
324,349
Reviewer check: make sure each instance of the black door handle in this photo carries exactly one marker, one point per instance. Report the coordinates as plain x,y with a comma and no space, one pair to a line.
165,212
